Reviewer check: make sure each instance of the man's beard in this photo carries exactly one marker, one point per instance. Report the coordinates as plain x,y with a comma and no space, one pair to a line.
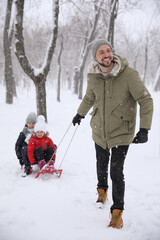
103,65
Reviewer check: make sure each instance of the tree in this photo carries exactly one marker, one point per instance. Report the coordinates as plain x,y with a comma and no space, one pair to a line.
85,49
7,41
38,76
156,86
113,16
89,36
59,69
145,61
76,78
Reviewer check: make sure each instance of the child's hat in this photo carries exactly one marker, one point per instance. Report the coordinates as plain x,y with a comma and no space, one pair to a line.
40,124
32,117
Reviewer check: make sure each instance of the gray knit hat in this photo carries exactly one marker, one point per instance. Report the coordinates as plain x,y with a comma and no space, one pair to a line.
32,117
96,44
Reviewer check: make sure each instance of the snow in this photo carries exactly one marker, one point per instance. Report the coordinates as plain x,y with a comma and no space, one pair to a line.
138,20
64,208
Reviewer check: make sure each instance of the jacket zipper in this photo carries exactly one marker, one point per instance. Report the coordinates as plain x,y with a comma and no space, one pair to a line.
104,109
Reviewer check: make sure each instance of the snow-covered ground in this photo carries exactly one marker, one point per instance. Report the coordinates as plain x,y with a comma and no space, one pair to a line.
64,209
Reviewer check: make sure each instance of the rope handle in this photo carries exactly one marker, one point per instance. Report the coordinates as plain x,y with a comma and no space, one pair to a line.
64,135
68,146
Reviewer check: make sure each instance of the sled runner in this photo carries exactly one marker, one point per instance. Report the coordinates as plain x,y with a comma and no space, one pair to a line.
50,170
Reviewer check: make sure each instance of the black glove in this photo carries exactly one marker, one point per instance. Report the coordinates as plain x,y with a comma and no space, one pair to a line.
141,136
77,119
21,162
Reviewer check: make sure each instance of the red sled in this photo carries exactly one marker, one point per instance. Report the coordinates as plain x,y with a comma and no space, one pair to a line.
50,170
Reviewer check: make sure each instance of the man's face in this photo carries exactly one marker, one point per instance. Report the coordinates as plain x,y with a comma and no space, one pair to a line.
104,56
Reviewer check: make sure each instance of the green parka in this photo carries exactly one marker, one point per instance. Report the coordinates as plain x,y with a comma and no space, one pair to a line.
114,100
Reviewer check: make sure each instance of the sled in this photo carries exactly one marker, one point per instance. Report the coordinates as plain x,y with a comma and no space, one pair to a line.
50,170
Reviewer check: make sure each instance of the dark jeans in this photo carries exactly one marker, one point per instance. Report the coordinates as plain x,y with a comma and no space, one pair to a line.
25,156
41,154
118,155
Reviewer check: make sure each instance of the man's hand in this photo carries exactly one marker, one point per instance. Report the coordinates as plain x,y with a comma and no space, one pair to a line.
77,119
141,136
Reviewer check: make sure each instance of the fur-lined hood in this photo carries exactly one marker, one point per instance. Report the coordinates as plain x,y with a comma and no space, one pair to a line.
119,65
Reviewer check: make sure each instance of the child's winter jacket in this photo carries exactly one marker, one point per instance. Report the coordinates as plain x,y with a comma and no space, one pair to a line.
22,140
35,143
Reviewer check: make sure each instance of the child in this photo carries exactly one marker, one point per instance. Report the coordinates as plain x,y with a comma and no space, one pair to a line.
41,148
23,140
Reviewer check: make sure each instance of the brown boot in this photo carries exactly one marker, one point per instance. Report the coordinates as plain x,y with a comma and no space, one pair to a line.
116,220
102,195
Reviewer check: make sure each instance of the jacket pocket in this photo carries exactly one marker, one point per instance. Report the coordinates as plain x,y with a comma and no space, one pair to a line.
95,122
118,122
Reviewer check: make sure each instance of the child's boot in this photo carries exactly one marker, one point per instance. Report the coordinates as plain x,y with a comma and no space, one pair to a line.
41,163
116,219
51,163
102,195
28,170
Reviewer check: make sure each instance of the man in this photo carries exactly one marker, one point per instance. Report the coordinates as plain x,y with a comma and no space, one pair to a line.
113,91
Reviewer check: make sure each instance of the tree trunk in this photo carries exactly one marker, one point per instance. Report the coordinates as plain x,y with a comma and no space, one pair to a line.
81,75
113,15
156,86
86,49
76,80
68,80
135,61
145,61
38,76
59,71
8,78
59,84
40,85
7,40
